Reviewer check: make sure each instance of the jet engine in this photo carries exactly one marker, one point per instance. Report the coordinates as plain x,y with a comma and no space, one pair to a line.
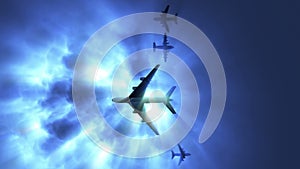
142,78
133,88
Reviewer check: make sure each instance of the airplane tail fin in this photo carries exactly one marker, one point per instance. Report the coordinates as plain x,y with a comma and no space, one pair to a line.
173,154
154,46
175,19
168,104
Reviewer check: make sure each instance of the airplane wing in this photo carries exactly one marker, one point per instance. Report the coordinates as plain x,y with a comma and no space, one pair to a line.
139,91
181,150
180,160
147,120
166,9
181,154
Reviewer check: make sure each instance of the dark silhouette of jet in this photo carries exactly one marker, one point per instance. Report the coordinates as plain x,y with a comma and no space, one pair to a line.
165,47
182,154
137,100
164,18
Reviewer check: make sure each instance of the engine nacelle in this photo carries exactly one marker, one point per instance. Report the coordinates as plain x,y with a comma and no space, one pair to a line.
142,78
133,88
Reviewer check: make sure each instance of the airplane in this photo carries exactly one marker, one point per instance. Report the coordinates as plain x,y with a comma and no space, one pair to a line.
137,100
165,46
164,18
182,154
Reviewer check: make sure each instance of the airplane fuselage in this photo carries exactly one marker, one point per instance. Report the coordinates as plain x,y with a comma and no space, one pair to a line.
137,101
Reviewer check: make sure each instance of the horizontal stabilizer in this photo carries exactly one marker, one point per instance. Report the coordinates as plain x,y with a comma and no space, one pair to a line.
170,107
171,91
173,155
168,104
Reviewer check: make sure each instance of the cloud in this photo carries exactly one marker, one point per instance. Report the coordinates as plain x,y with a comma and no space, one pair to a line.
39,44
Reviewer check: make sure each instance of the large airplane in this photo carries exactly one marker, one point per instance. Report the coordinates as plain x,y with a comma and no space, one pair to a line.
182,154
165,46
164,18
137,100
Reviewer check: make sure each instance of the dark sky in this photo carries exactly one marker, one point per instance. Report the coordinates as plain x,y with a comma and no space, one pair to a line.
257,41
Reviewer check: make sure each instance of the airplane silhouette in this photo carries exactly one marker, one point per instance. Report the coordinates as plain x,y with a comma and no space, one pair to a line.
164,18
165,47
137,100
182,154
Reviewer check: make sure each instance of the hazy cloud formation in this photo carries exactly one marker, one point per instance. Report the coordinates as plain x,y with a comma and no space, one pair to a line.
39,44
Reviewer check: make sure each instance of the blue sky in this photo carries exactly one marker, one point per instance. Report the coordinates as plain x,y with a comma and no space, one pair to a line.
257,43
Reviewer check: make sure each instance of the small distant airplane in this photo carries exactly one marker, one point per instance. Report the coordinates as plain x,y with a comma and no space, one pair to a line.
136,99
165,46
164,18
182,154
